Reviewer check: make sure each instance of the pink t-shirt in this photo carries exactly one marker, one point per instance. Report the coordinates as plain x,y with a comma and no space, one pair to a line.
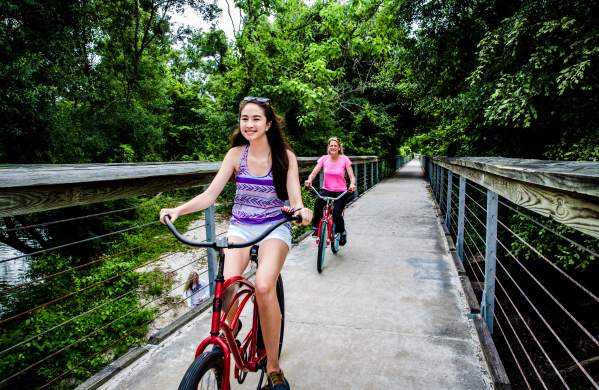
334,172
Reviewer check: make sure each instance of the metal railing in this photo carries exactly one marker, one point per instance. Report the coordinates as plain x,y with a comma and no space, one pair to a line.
526,232
98,274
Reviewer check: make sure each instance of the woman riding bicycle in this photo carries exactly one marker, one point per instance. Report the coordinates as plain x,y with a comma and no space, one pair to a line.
335,164
266,174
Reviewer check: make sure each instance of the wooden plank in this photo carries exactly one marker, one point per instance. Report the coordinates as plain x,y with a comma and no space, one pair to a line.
26,200
496,369
51,175
28,189
578,211
470,295
580,177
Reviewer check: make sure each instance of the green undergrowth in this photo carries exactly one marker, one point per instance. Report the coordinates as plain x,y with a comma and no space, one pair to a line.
77,314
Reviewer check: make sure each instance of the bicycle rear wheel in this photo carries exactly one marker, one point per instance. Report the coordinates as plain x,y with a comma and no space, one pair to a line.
281,299
322,246
206,372
335,243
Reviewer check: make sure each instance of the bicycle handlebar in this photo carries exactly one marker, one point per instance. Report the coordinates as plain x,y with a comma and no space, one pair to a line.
327,197
224,243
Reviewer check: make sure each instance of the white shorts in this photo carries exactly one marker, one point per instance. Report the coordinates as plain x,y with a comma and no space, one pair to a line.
249,232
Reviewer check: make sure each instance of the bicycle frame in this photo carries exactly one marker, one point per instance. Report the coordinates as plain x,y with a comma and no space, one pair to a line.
218,324
327,215
246,355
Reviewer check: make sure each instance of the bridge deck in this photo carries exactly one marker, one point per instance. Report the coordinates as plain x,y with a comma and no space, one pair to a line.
388,311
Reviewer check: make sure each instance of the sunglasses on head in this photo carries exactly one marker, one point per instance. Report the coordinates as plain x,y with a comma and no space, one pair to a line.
256,99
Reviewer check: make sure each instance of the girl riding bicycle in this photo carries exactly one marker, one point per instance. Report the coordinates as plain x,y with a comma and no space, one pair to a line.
266,174
335,164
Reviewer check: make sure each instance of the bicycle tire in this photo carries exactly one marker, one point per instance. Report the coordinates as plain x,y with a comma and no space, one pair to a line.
322,246
206,363
281,299
335,243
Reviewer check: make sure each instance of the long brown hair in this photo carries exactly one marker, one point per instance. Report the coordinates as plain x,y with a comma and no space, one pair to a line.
190,278
277,142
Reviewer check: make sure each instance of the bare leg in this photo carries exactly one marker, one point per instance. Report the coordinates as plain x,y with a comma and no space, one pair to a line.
271,258
236,261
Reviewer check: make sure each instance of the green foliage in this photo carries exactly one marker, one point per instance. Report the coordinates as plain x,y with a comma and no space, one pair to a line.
561,252
101,81
96,311
526,87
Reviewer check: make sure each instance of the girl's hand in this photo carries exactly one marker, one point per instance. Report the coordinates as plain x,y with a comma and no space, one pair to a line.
308,183
352,187
173,213
306,215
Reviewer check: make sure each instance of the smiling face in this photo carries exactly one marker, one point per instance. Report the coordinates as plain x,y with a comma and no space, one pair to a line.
333,148
252,122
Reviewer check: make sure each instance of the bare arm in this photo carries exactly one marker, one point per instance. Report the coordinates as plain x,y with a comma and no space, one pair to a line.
294,191
208,197
352,178
312,175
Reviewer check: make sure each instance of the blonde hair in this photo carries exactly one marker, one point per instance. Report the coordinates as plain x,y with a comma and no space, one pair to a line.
190,278
338,143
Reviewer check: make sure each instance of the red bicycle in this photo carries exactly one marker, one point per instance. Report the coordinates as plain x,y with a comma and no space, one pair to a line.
211,369
326,230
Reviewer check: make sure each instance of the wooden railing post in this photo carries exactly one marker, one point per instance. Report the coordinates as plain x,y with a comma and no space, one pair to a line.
488,299
448,203
364,170
461,211
211,236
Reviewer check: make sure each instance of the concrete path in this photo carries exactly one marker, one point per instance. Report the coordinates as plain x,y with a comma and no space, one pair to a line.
387,312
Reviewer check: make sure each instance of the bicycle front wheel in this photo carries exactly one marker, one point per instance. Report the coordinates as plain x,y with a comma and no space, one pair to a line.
206,372
322,246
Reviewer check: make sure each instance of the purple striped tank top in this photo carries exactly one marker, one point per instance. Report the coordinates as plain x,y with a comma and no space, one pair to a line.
256,200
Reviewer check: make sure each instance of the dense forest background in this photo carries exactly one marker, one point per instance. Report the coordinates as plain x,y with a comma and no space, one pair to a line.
112,81
86,81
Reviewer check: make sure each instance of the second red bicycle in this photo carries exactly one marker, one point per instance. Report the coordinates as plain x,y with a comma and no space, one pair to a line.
326,234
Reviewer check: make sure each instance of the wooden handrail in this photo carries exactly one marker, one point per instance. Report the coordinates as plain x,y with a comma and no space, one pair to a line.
33,188
566,191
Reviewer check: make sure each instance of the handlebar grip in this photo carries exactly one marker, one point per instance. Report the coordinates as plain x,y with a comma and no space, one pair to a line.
183,239
289,215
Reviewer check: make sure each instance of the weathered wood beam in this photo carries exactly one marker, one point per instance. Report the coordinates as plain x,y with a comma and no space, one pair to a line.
571,199
581,177
28,189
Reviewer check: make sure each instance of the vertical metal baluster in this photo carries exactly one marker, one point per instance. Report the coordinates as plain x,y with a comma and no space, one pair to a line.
211,236
357,174
461,211
488,299
448,203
